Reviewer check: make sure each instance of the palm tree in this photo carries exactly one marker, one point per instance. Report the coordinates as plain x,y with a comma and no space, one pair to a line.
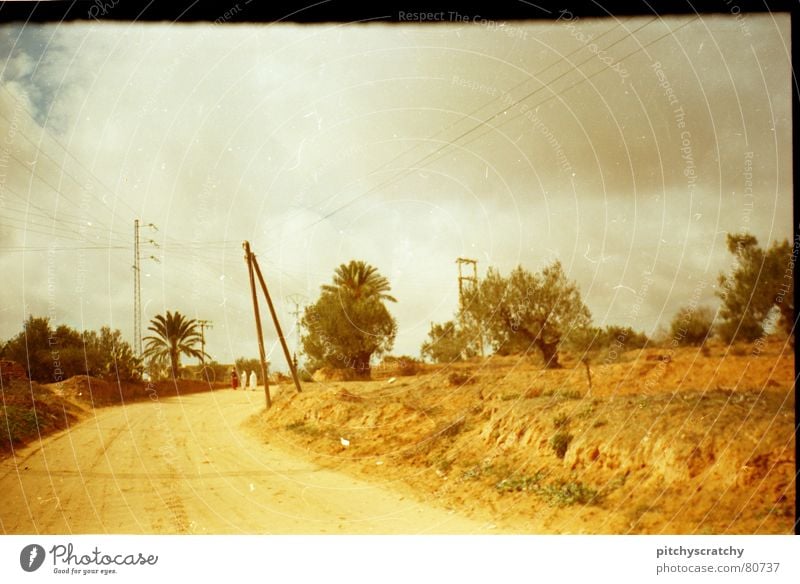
359,280
174,335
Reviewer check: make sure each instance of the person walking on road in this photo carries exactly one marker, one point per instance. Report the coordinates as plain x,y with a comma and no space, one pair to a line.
234,379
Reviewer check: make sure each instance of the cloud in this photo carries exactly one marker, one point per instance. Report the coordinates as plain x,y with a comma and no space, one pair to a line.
322,144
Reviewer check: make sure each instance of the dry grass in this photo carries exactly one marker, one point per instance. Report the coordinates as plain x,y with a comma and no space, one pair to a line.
684,445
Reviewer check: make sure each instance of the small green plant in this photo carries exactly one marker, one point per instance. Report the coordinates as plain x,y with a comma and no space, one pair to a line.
301,427
473,473
20,422
563,394
563,493
560,442
558,493
519,484
444,464
560,421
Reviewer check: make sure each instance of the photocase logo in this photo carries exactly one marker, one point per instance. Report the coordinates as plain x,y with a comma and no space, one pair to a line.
31,557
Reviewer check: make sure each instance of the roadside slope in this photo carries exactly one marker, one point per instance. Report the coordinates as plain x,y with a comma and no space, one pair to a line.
692,443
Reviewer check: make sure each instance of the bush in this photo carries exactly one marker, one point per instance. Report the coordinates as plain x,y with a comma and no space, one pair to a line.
521,484
565,493
403,366
563,394
560,421
457,378
560,443
692,326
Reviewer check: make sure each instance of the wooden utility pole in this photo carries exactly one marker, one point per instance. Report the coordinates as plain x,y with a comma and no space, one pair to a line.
277,325
248,256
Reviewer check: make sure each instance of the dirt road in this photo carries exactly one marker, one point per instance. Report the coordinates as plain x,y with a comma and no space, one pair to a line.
187,465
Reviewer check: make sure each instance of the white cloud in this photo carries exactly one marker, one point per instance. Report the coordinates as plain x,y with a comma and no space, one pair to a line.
220,134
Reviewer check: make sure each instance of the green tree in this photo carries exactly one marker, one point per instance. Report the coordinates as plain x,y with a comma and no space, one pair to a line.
175,335
248,365
692,326
447,343
626,336
761,281
358,280
349,324
51,355
31,348
530,310
108,355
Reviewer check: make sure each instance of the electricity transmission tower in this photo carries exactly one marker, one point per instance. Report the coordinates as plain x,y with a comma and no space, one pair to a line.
137,292
473,279
298,300
468,286
137,285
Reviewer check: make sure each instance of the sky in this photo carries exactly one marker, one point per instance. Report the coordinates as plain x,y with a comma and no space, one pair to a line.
625,147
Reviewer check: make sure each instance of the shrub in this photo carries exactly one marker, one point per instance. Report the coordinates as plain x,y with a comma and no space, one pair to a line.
560,442
560,421
517,484
565,493
407,366
457,378
692,326
563,394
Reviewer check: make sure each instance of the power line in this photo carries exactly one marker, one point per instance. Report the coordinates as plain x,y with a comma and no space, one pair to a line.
421,163
67,153
424,162
485,105
586,78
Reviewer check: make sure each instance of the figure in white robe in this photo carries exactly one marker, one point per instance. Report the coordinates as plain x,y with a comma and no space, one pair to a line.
253,380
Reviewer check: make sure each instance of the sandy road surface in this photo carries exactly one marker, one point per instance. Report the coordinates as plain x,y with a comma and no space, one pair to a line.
186,465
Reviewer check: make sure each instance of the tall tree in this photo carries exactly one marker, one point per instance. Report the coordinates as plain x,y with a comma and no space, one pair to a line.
108,355
34,348
175,335
359,280
531,310
56,354
350,324
762,281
